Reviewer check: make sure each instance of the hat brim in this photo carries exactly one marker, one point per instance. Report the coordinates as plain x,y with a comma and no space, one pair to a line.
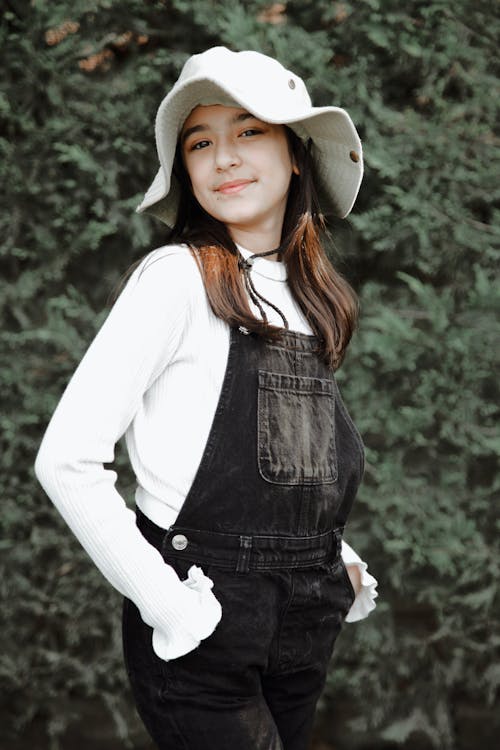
337,150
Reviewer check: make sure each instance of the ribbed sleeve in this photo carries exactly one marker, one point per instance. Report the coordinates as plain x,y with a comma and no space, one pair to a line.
138,339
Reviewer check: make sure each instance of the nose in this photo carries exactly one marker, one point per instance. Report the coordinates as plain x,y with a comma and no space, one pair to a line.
226,155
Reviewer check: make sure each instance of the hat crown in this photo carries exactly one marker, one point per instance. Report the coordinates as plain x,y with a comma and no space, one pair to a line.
246,71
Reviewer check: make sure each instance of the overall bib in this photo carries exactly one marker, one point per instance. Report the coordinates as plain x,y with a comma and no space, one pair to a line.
264,520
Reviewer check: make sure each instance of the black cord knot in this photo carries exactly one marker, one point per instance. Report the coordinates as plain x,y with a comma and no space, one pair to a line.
245,264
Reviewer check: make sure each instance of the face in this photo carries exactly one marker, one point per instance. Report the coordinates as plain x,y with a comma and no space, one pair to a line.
240,169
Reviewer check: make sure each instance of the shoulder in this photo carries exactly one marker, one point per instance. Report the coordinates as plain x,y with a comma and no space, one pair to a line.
175,262
166,282
169,270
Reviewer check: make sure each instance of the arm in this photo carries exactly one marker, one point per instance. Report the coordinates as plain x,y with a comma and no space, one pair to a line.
137,341
364,584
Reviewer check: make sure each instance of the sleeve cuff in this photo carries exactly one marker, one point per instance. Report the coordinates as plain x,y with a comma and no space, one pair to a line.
364,602
179,642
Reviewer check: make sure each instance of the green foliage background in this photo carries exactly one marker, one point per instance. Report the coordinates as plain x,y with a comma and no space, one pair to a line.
77,106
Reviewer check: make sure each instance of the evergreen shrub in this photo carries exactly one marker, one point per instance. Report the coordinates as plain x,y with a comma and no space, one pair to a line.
81,82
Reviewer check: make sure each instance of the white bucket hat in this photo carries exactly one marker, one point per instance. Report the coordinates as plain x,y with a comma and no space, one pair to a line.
263,87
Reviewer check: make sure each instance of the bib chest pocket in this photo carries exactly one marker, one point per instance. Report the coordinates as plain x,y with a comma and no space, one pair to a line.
296,429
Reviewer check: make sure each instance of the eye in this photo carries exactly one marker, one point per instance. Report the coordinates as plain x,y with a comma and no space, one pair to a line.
198,145
251,131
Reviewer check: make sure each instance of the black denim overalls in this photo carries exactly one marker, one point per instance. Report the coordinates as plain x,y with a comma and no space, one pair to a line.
264,519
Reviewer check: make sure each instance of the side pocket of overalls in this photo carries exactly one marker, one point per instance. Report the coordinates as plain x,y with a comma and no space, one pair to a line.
296,429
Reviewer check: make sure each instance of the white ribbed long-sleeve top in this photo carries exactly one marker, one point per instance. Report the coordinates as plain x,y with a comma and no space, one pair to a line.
153,373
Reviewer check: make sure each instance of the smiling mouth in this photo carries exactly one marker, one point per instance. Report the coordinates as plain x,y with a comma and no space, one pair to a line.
229,188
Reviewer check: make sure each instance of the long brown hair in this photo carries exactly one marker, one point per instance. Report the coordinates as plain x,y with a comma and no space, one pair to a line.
326,299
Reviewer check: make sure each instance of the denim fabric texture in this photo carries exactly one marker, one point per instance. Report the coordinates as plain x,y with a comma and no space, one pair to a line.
264,519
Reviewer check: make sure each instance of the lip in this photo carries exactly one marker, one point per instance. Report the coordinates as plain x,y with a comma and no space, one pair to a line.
235,186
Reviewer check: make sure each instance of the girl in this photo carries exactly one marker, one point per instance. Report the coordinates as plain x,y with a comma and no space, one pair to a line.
216,362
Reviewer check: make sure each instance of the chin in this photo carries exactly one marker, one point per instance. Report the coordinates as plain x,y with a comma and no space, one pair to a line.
246,217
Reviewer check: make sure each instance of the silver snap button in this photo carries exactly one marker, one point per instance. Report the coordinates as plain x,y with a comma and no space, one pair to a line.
291,83
179,541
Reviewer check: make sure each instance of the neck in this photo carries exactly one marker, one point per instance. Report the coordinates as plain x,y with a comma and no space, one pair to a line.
257,242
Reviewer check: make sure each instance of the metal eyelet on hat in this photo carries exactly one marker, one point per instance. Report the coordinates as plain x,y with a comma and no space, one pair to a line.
354,156
179,542
291,83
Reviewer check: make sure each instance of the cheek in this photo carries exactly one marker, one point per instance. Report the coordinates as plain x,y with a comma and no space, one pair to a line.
282,162
199,180
195,167
281,175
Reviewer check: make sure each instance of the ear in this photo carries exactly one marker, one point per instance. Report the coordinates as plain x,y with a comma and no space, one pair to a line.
295,168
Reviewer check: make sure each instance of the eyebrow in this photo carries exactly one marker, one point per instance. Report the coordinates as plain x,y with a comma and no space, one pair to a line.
202,127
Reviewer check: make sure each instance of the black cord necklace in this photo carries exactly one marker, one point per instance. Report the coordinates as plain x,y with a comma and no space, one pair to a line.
245,264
